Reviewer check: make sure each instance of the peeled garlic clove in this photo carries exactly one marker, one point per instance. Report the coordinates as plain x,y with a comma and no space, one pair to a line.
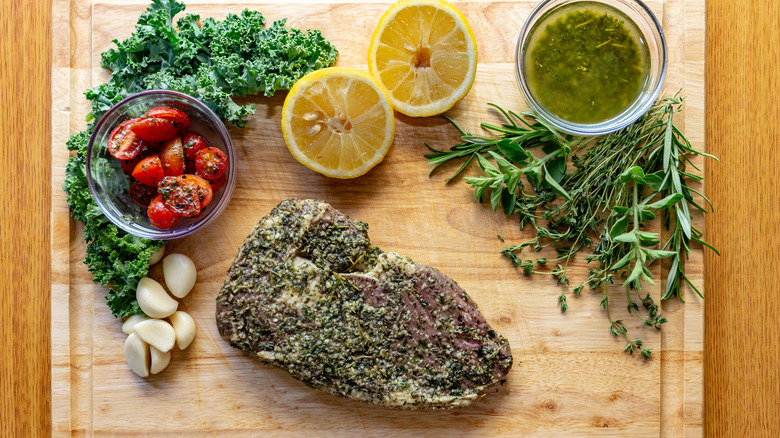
157,333
184,326
180,274
153,299
157,256
137,355
127,326
160,360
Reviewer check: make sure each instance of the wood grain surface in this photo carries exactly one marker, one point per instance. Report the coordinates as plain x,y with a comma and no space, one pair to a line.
742,344
25,280
442,226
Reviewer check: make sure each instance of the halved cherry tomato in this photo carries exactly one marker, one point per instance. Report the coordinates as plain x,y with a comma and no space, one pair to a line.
149,148
211,163
154,129
142,194
218,183
205,192
189,167
179,196
193,143
129,165
123,143
172,157
159,215
149,171
179,118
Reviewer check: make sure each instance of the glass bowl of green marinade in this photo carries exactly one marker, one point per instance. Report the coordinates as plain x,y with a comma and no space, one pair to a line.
591,67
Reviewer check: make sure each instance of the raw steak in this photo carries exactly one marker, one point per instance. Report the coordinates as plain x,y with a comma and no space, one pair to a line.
309,293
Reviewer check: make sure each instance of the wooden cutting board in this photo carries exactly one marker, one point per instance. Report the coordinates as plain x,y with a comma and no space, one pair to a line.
570,377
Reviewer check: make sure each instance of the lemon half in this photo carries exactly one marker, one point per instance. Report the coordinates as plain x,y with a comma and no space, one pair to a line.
425,55
338,122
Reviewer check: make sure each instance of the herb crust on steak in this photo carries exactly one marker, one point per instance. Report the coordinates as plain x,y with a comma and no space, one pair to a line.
309,293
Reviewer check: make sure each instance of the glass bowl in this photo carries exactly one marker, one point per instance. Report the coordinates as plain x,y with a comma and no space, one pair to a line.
652,36
110,186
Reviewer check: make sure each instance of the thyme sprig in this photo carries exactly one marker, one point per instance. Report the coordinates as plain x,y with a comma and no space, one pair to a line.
598,194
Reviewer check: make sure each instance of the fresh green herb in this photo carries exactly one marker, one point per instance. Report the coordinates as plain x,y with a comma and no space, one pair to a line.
213,62
602,202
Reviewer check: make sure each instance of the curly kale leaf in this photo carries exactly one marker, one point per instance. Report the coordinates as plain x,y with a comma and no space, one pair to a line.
205,87
114,257
212,61
263,59
153,47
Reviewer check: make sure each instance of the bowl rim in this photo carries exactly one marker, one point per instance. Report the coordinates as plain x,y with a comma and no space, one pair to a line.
172,233
613,124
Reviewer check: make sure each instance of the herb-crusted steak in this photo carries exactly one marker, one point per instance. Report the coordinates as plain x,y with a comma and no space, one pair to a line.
309,293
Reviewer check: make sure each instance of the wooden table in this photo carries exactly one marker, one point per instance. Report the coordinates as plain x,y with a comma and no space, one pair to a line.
742,362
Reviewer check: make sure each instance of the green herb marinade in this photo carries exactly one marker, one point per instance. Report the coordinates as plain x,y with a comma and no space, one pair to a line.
586,66
209,60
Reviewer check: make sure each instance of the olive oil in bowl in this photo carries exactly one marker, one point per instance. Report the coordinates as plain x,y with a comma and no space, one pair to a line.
586,62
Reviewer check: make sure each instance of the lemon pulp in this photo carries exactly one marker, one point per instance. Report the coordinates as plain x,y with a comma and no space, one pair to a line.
425,54
338,122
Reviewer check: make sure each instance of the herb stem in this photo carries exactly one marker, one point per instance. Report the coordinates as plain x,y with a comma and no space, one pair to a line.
636,207
616,326
584,194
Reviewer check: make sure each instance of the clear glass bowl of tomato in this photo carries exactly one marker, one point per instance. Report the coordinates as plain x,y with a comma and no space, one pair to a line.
117,192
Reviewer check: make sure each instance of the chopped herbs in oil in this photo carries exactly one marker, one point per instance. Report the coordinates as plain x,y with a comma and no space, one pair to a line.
586,62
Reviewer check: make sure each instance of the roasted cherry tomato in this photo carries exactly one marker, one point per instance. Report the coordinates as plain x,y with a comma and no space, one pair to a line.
123,143
149,171
193,143
205,192
179,118
142,194
180,196
218,183
172,157
159,215
149,148
129,165
189,167
211,163
154,129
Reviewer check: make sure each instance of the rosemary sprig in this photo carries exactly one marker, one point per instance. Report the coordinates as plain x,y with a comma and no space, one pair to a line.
602,201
